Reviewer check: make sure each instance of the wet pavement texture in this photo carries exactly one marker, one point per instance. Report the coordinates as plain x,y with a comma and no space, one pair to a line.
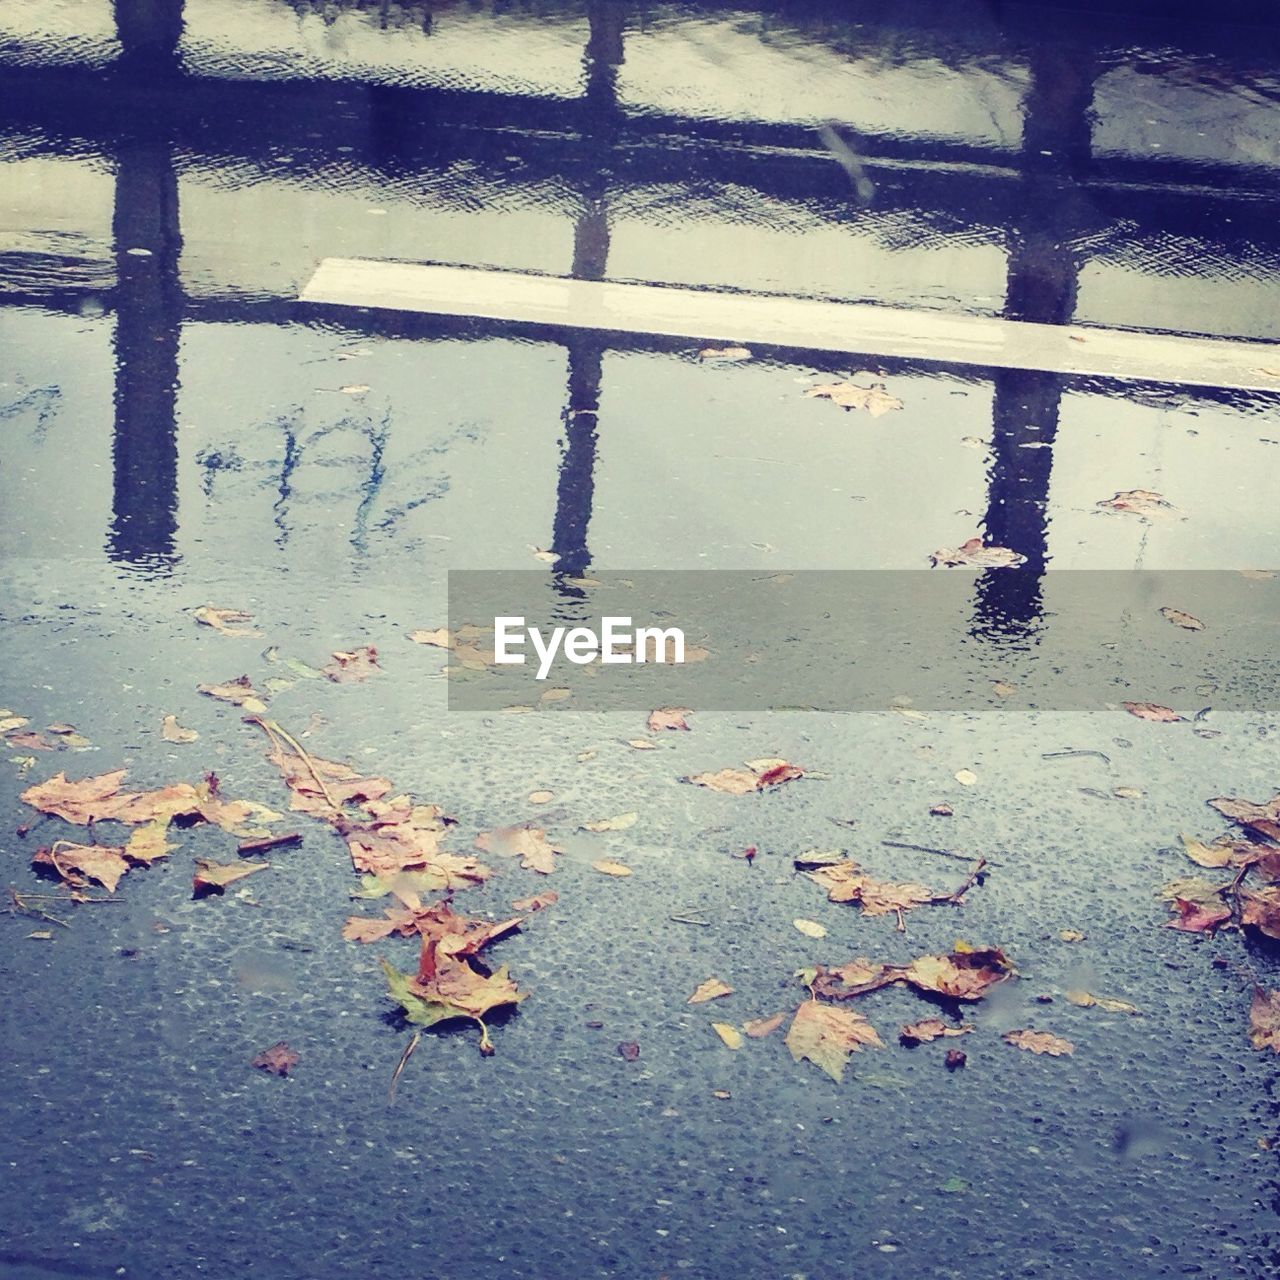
177,430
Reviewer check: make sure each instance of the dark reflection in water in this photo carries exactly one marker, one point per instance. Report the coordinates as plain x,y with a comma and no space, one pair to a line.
1043,280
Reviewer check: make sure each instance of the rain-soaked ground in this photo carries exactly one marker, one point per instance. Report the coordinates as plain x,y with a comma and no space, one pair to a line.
177,430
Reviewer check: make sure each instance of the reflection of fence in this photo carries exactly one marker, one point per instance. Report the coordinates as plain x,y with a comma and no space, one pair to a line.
147,109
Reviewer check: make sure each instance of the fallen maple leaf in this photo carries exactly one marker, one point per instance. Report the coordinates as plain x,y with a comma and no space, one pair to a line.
975,554
73,862
1152,711
172,731
1180,619
758,1028
667,718
758,776
353,667
223,619
1039,1042
529,844
213,877
279,1060
239,692
827,1035
1264,1020
1262,818
712,989
1260,909
913,1033
848,395
536,902
448,987
1197,917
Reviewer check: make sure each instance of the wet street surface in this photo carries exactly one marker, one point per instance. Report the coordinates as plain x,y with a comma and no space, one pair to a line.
180,429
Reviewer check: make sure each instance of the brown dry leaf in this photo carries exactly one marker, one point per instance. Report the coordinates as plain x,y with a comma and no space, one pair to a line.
848,395
712,989
1138,502
353,667
240,692
441,638
1039,1042
619,823
1180,619
847,882
758,776
758,1028
537,901
529,844
827,1035
279,1060
724,353
1152,711
74,862
963,974
1260,909
913,1033
973,553
148,843
608,868
1262,818
1264,1020
730,1034
172,731
213,877
224,620
78,802
667,718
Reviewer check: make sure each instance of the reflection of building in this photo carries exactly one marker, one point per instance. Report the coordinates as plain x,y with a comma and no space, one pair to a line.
1011,190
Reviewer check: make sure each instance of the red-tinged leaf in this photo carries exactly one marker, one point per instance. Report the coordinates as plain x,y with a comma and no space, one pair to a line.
279,1060
353,667
1198,917
1261,818
1153,711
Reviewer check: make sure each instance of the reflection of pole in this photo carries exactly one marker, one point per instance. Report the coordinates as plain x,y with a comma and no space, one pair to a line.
1043,276
575,491
148,306
149,31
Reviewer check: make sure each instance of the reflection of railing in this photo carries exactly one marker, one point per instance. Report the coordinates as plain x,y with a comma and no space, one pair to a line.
585,137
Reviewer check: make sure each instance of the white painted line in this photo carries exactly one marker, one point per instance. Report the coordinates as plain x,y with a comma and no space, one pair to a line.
775,320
